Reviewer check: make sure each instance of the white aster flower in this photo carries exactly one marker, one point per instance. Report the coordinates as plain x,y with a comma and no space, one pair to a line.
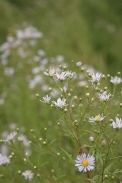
28,175
117,123
79,63
104,96
69,74
95,78
85,162
64,89
97,118
60,102
4,159
10,136
115,80
51,72
46,99
61,76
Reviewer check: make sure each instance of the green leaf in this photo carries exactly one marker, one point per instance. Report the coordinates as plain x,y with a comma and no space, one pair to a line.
107,169
99,158
52,142
68,155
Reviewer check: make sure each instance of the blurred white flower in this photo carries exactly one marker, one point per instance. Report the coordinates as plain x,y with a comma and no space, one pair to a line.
60,102
69,74
8,71
28,174
97,118
117,123
36,80
61,76
4,159
10,136
45,87
41,53
82,83
103,142
104,96
4,149
54,93
60,58
51,72
5,46
46,99
5,54
32,42
13,126
24,139
10,39
95,77
79,63
85,162
4,62
29,32
116,80
36,70
1,101
64,89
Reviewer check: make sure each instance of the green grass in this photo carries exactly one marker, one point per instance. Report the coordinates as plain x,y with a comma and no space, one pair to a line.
80,30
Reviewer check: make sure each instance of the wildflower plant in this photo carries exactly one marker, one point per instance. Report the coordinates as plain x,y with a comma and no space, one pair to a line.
95,143
79,124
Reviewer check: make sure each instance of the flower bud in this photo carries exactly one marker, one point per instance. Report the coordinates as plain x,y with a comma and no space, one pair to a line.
37,95
91,139
87,95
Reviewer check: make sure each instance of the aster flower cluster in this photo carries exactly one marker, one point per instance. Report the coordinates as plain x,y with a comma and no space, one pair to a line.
61,76
84,129
85,161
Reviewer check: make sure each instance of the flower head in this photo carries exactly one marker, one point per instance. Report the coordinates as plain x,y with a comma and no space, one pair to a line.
46,99
4,159
60,103
79,63
104,96
115,80
61,76
117,123
51,72
69,74
97,118
85,162
11,136
95,78
28,175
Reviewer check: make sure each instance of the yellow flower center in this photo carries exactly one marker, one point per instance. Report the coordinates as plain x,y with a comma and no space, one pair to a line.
27,174
97,118
85,162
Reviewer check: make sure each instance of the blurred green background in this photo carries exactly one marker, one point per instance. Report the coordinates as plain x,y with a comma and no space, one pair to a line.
81,30
87,30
